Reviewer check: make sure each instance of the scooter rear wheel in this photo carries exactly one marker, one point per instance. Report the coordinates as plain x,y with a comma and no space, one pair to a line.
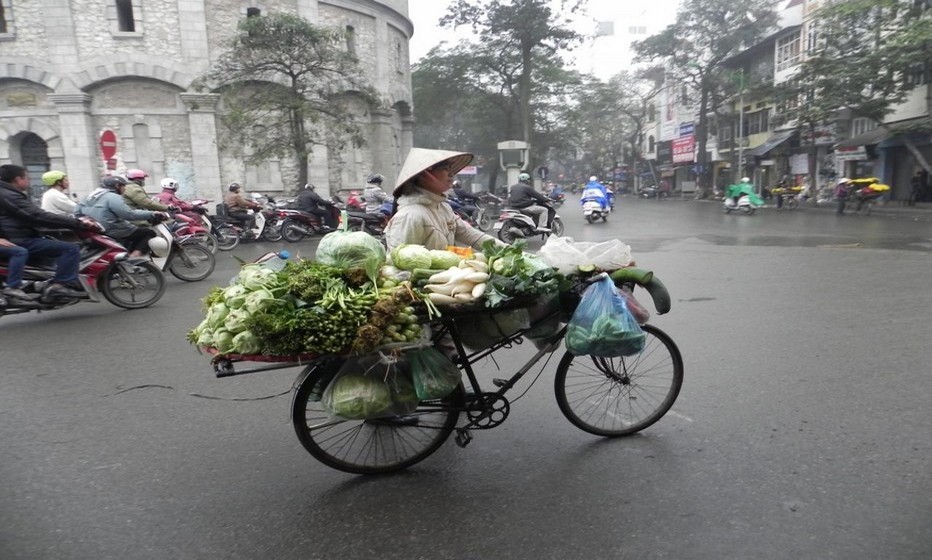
291,231
505,234
132,286
557,227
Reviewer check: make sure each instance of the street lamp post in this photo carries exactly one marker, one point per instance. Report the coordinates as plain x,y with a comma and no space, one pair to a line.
740,126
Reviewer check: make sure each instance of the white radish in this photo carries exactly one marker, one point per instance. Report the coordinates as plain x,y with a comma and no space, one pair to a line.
464,287
478,266
477,277
478,290
440,299
463,298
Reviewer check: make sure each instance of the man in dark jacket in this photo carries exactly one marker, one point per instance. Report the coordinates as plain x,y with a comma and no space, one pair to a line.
523,197
19,220
312,203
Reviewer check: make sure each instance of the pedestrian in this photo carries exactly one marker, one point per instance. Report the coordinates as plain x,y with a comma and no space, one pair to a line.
56,199
841,194
918,186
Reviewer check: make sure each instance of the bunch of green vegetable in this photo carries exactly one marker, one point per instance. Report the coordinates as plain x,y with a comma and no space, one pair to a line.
518,274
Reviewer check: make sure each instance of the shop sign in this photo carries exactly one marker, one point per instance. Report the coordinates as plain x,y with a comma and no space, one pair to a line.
664,152
684,149
687,128
855,153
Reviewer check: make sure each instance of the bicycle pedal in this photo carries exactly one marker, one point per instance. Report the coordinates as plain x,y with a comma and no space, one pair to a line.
462,438
499,382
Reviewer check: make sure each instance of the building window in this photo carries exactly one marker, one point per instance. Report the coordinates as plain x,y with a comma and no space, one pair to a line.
399,65
351,40
651,144
6,17
812,37
637,30
861,125
125,15
253,12
787,52
757,122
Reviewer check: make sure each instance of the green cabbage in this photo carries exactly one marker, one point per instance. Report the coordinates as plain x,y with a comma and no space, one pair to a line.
223,341
409,257
357,396
235,296
236,320
246,342
205,339
256,276
351,249
216,314
259,300
442,260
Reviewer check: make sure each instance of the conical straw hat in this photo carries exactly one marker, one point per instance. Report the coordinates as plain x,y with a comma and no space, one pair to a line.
420,159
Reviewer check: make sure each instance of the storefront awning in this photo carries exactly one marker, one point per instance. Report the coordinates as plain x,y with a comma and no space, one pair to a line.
771,143
880,134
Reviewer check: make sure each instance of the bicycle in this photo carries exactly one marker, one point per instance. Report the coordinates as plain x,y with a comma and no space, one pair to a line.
609,397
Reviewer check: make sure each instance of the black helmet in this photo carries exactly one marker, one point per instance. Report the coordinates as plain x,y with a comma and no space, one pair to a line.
375,179
233,187
113,183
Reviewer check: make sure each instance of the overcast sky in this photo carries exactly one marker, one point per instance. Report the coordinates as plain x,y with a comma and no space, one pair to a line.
425,13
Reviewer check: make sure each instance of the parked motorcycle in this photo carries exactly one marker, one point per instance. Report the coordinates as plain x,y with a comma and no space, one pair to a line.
513,225
105,269
373,224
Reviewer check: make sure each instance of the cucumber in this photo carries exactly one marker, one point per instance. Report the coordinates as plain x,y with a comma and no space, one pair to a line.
639,276
658,292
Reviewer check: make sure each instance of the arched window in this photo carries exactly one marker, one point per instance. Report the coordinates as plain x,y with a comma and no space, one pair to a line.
351,40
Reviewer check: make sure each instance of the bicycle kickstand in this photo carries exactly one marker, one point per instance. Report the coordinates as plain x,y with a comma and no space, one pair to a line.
463,437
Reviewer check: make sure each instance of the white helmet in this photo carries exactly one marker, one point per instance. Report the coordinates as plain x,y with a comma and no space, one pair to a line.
745,179
593,179
169,183
159,246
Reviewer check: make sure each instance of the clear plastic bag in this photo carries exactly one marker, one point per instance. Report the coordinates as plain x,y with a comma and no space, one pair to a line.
434,375
641,314
371,386
602,325
567,255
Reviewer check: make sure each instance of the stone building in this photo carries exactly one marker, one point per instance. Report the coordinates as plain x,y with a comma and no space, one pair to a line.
94,87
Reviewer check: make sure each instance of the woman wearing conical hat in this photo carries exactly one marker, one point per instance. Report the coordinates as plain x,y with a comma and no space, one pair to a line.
423,215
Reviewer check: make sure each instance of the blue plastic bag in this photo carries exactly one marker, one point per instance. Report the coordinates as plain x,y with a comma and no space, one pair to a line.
602,325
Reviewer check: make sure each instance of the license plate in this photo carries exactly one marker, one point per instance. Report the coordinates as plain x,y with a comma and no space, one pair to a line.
497,226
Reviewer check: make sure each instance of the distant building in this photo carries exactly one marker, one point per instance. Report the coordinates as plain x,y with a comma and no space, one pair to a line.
77,71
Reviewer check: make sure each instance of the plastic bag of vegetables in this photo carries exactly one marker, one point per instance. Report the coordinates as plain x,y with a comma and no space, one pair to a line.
602,325
481,331
434,375
370,386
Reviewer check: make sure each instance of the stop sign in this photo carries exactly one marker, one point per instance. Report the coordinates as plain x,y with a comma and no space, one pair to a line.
108,144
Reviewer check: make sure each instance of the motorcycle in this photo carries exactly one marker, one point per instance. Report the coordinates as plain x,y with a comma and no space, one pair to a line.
744,204
192,229
185,258
267,226
297,224
489,206
355,202
513,225
105,269
373,224
558,198
654,192
593,210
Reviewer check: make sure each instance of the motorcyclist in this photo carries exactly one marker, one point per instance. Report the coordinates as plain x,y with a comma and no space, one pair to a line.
169,197
108,206
595,191
55,199
736,191
523,197
134,193
19,220
311,202
468,201
238,206
374,196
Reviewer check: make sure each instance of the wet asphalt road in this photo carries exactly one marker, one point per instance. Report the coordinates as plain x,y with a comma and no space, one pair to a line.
802,431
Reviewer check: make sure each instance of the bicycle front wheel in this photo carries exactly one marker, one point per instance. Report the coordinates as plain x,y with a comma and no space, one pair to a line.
614,397
373,446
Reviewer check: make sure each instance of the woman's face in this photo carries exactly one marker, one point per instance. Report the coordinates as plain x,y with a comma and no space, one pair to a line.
437,179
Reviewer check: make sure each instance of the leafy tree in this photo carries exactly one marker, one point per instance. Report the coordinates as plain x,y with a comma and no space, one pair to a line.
526,33
288,86
869,58
697,45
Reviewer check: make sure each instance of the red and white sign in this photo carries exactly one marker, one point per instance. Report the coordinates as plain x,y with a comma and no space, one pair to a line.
108,144
469,170
684,149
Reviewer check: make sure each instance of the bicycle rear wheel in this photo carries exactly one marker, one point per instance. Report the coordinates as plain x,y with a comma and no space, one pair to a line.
614,397
373,446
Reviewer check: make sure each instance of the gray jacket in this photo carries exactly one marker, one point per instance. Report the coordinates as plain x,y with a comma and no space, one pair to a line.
108,208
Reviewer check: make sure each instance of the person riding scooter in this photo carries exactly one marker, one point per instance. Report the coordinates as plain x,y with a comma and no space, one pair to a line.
107,206
238,207
595,191
736,191
311,202
468,201
523,197
374,196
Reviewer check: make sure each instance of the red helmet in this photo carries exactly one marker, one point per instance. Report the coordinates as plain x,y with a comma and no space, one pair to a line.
133,174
